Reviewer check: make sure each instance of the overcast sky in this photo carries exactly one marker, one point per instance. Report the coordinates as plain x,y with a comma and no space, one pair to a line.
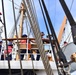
54,8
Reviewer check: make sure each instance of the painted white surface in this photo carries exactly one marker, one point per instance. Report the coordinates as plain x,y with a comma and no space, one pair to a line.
28,65
42,72
25,65
74,73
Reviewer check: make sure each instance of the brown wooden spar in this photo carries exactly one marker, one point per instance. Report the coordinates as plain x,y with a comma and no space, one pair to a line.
62,29
44,40
22,11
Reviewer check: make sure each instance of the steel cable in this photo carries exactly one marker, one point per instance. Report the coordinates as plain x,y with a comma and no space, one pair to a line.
17,35
11,34
6,38
55,57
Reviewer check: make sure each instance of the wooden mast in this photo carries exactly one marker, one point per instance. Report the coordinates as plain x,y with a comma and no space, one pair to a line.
62,29
22,11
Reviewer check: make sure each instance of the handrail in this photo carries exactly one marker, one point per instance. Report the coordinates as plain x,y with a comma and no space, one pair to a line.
30,39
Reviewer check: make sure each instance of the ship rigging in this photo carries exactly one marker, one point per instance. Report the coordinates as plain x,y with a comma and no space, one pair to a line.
27,10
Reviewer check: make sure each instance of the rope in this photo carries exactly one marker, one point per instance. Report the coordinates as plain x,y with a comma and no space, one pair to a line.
55,57
6,37
38,38
27,44
71,5
70,10
36,19
69,35
34,10
55,13
14,3
17,35
11,34
60,54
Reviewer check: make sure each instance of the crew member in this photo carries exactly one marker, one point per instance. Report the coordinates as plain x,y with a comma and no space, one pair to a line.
10,47
24,50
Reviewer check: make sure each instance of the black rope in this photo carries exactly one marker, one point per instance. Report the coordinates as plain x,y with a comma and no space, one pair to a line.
66,19
17,35
38,39
1,21
59,51
6,37
55,57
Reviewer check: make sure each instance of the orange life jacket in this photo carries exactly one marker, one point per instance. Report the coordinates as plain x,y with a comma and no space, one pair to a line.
25,42
9,50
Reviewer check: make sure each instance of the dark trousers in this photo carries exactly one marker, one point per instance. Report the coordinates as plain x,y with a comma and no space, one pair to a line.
22,55
9,57
37,58
2,57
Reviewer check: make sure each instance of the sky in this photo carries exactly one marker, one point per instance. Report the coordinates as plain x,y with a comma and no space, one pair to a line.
53,6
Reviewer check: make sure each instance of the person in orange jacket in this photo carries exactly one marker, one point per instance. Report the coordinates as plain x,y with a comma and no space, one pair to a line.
25,50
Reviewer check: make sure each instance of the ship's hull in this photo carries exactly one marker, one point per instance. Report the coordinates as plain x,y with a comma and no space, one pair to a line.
28,68
25,72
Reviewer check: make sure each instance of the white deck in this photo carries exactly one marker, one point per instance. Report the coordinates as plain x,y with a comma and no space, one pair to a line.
25,65
38,65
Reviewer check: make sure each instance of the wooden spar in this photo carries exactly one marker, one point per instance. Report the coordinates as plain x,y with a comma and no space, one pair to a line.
44,40
22,11
62,29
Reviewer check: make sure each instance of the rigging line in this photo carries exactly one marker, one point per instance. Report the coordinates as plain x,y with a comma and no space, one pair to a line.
67,44
70,10
28,40
55,13
34,10
17,35
27,44
27,26
31,32
55,57
51,27
13,28
66,19
62,57
27,36
68,36
71,5
45,23
38,39
14,3
6,37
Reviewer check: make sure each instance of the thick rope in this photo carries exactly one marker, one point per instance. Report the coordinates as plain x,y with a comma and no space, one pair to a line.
55,56
38,38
